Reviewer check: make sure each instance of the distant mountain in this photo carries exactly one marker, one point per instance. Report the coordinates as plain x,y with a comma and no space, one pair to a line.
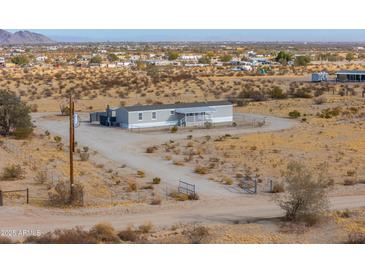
23,37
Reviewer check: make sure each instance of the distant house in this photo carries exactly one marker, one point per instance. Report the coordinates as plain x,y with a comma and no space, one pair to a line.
149,116
2,62
320,77
350,76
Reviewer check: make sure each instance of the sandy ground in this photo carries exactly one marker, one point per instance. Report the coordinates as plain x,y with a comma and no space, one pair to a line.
129,148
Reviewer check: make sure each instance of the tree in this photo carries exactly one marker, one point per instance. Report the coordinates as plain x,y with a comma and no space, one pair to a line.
306,192
350,56
14,114
96,59
20,60
204,60
277,93
173,55
283,57
302,60
226,58
112,57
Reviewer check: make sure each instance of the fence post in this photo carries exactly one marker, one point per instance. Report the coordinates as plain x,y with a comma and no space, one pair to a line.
27,195
255,185
1,198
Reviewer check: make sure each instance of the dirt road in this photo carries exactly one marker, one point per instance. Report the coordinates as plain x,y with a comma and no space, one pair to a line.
128,148
235,210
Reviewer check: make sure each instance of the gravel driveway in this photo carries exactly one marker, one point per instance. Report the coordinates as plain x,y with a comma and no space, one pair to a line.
128,148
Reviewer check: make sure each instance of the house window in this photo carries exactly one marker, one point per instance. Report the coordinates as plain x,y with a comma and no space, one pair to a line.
154,116
172,112
140,116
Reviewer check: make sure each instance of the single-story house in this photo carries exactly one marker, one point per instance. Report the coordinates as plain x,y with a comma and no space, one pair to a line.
350,76
165,115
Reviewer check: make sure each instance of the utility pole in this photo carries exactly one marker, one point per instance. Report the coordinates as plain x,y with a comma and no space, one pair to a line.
72,143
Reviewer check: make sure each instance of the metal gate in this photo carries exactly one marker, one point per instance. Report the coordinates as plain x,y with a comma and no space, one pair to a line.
186,188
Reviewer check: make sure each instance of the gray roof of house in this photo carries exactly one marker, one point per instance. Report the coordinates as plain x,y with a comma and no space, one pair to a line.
176,106
353,72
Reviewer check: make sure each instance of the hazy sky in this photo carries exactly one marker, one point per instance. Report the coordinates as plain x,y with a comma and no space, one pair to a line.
89,35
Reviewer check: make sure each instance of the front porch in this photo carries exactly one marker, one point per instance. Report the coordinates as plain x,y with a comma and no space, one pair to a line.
195,117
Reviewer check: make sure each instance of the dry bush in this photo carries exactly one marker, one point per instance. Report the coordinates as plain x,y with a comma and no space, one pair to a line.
320,100
201,170
146,228
349,182
174,129
132,186
156,180
12,172
41,177
104,233
197,234
278,188
59,195
141,173
228,181
129,235
178,196
151,149
306,192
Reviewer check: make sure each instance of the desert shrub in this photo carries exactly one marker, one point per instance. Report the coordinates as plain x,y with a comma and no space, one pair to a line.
141,173
41,177
277,93
57,139
294,114
22,132
349,182
156,180
278,188
306,192
318,92
146,228
329,113
132,186
104,233
84,156
174,129
179,196
151,149
197,234
301,93
351,172
320,100
228,181
201,170
12,172
129,235
59,195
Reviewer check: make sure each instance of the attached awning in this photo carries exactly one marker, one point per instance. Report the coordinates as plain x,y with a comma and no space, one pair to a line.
195,110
